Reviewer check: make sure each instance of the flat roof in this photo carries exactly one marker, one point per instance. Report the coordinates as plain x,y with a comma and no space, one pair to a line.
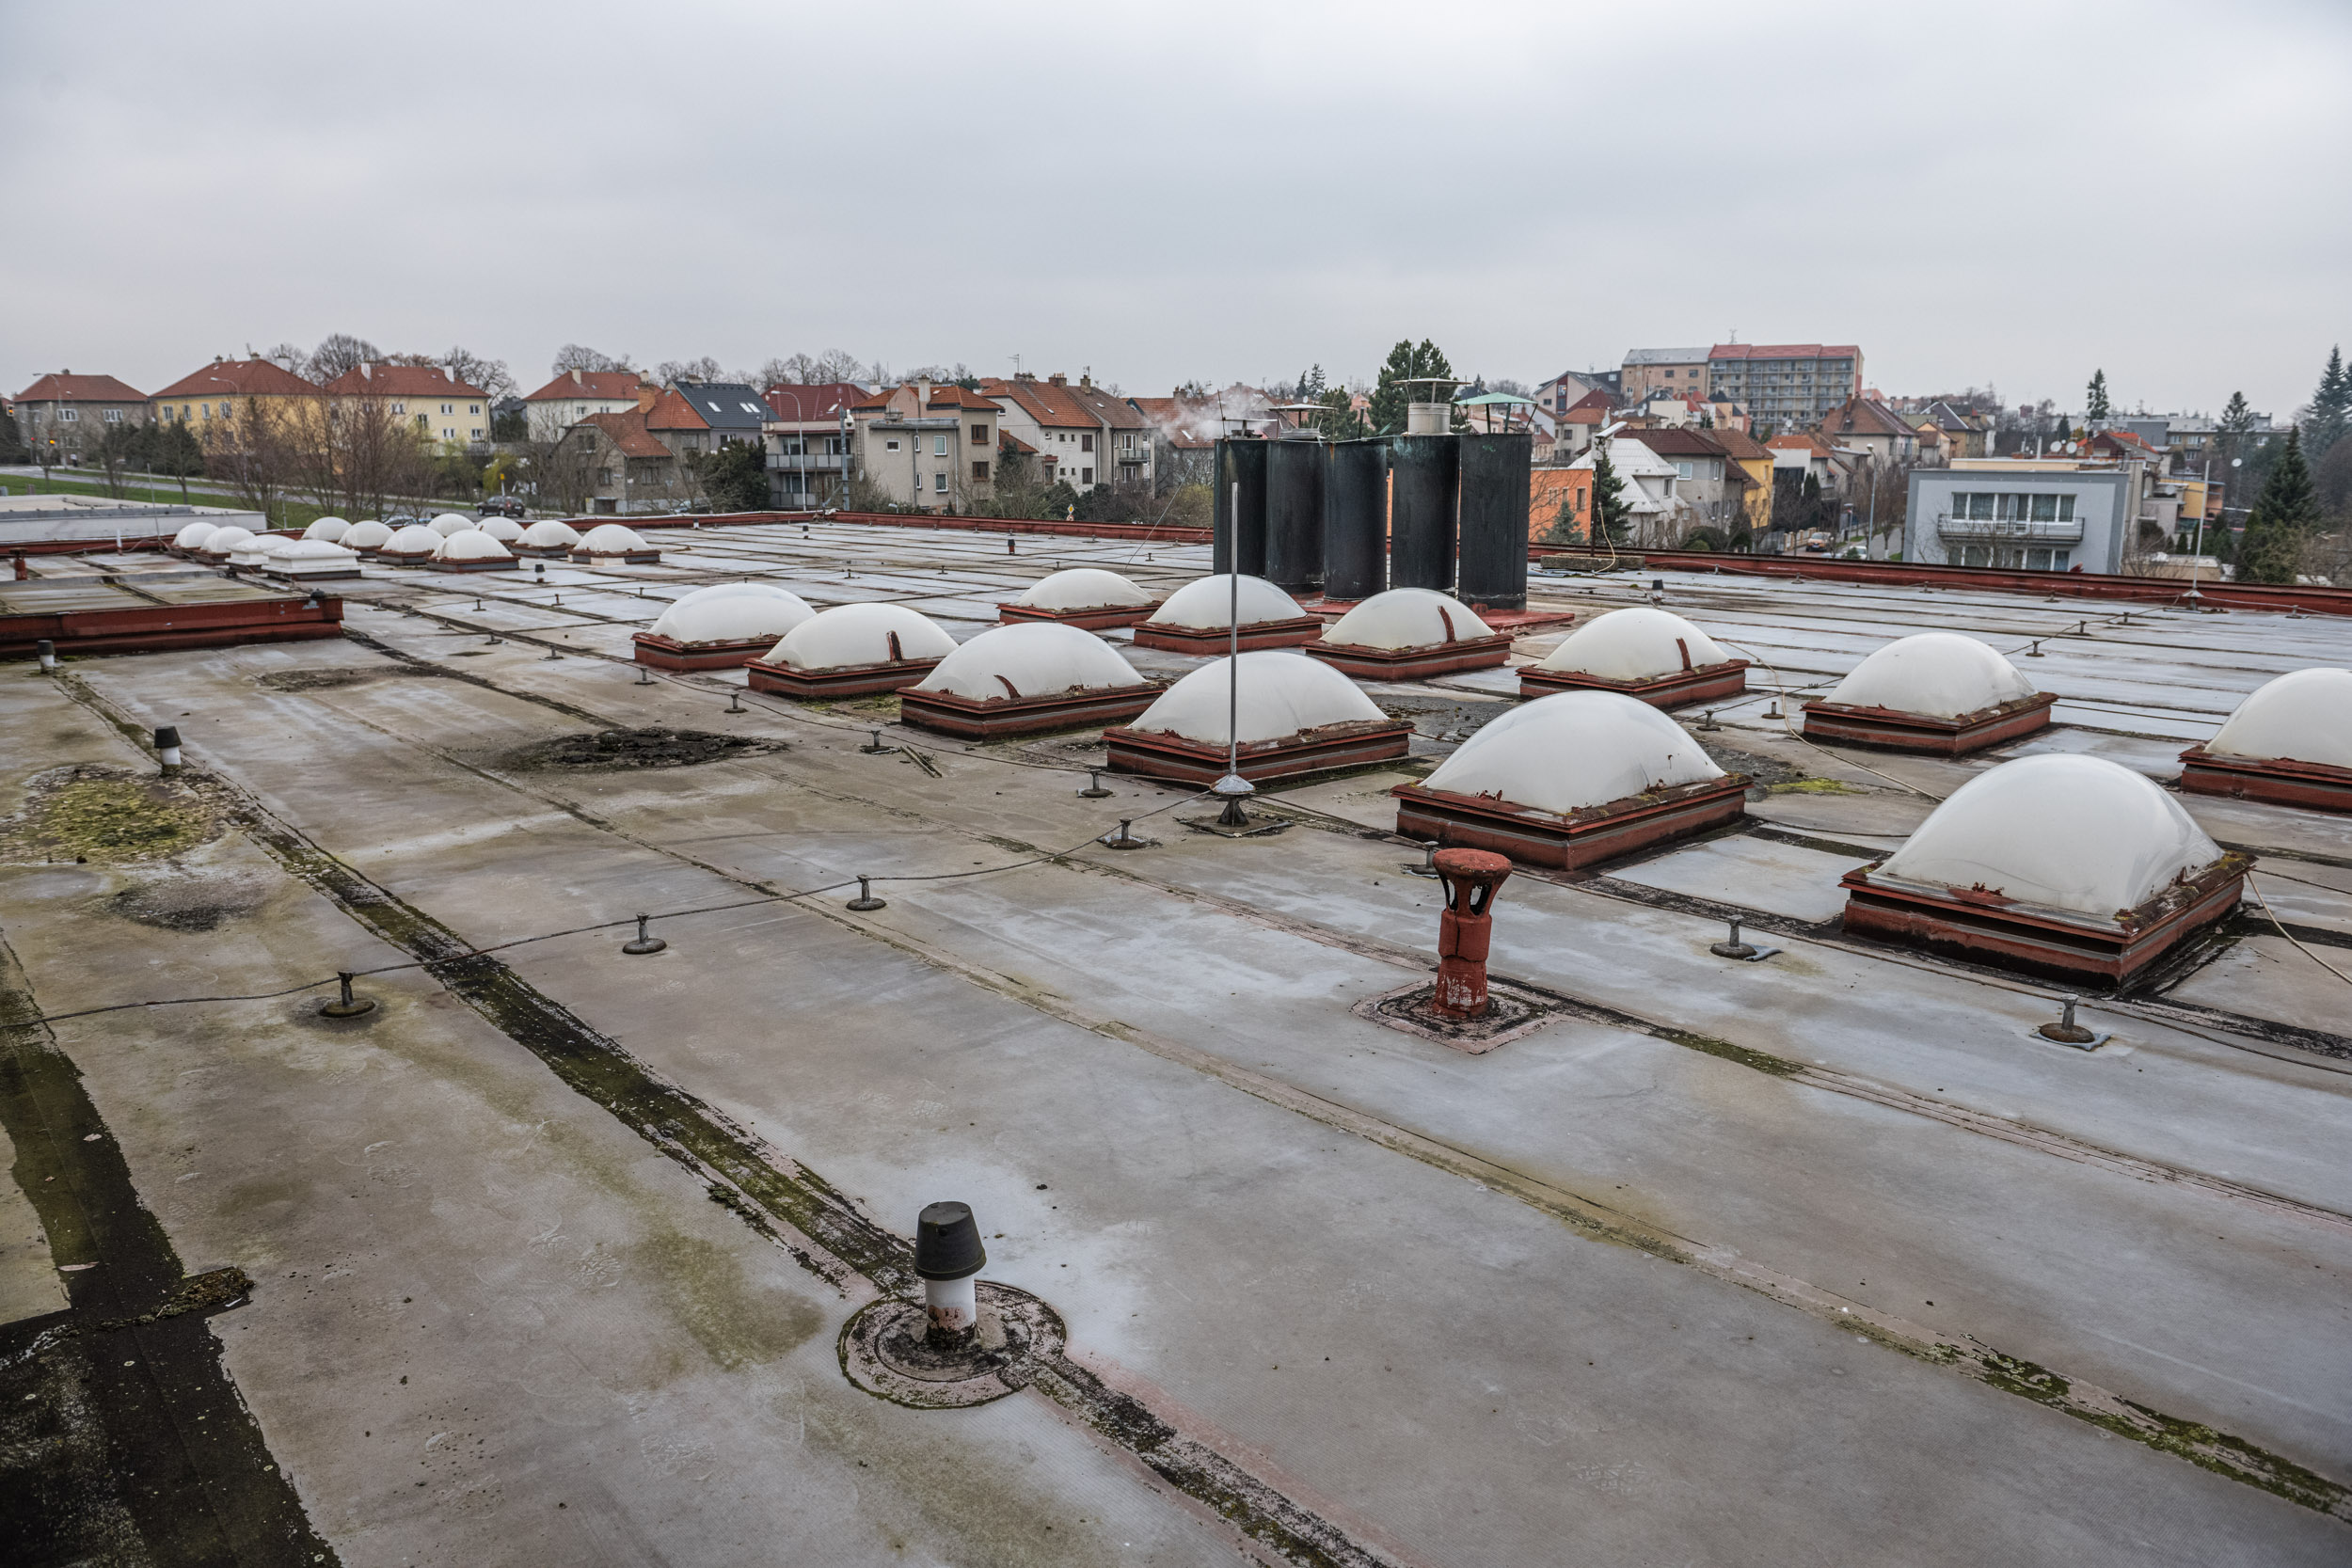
1808,1259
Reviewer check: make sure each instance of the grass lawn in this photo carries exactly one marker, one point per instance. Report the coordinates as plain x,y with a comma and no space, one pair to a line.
288,512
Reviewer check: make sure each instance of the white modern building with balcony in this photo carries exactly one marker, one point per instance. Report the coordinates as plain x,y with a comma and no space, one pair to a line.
2028,513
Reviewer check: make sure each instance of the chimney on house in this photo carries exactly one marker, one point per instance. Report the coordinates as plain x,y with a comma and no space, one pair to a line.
367,371
922,394
575,381
646,398
1059,379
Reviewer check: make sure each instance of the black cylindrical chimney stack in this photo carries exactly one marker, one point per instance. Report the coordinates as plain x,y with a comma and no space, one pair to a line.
1293,515
1355,520
1494,487
1422,473
1240,542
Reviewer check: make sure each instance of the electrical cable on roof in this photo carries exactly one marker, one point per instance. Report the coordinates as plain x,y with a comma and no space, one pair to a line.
2323,964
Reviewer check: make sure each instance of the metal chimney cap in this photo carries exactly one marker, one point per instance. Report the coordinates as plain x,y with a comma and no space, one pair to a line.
947,1241
167,738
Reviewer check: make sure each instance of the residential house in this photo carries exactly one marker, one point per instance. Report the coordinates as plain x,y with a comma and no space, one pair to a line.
61,415
1680,371
627,467
1088,436
1709,481
440,407
808,437
571,397
2037,514
1948,430
1580,422
1754,462
1656,514
1868,426
1784,386
1569,388
725,411
925,444
217,393
1184,432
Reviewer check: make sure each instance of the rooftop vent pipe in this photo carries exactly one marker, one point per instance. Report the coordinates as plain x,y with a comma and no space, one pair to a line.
1355,520
1241,511
947,1257
1465,930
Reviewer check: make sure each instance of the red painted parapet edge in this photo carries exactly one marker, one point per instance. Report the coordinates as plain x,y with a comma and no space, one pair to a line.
1167,532
668,653
853,680
2062,942
1575,841
156,628
2084,585
1098,618
976,718
1919,731
2280,780
1416,664
1316,751
1699,685
1211,641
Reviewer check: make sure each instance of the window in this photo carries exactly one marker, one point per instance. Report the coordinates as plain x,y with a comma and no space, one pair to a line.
604,476
473,408
980,473
1085,442
1682,470
979,434
114,415
477,433
68,416
939,482
399,408
1085,476
890,446
939,447
449,408
750,407
449,432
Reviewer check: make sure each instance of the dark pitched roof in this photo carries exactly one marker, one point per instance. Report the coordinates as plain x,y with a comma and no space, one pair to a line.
240,378
1864,417
730,407
65,386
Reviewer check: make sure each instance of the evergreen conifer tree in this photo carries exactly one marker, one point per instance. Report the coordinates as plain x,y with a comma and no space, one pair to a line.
2332,409
2095,398
1608,514
1390,396
2283,515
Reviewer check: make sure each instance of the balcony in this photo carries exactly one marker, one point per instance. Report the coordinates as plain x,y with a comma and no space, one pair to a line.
815,462
2008,528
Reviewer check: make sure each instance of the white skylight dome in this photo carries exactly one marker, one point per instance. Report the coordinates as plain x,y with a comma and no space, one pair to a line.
705,616
613,539
1940,674
193,536
255,550
721,590
329,528
312,549
369,535
1280,694
222,540
1208,604
473,545
2071,831
2303,717
1031,659
1573,750
1636,644
450,523
417,539
1082,588
546,534
1407,618
850,635
504,530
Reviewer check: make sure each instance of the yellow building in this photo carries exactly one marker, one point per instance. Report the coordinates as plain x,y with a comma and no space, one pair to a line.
225,387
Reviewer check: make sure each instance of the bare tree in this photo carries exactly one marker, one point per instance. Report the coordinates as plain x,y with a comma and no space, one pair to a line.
559,466
816,370
257,450
491,375
704,369
579,356
354,454
336,352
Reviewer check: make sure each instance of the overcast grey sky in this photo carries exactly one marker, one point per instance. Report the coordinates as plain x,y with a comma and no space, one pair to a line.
2014,194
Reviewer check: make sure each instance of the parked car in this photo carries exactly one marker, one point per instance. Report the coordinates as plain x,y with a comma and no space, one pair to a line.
501,506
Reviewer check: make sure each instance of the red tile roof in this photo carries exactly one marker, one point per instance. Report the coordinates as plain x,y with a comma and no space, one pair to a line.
1736,444
1784,350
813,402
588,383
1060,405
65,386
627,431
1863,417
401,381
240,378
669,411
